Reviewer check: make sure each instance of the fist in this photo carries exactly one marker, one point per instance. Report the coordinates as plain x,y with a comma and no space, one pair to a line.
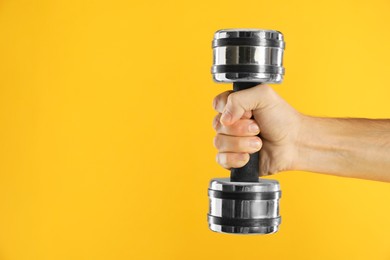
273,131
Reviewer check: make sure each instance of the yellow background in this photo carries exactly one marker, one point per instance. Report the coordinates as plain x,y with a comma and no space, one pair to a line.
106,139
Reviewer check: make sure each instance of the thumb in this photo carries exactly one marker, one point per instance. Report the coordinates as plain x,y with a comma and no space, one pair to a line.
245,100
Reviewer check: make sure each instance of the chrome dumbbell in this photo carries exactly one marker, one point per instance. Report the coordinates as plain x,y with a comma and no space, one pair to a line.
245,203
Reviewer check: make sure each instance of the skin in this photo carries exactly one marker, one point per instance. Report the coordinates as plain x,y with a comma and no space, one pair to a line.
289,140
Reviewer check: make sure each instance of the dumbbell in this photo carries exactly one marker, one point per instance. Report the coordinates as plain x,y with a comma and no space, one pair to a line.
245,203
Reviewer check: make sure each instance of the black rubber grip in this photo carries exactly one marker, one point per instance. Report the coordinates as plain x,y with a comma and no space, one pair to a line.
250,172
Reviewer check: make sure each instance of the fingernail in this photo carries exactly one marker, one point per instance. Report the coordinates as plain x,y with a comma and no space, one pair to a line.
226,117
254,128
255,144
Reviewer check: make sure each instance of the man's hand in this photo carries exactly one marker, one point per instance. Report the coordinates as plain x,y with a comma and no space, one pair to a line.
237,135
288,140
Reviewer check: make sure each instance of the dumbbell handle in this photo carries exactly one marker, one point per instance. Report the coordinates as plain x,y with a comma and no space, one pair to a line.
249,172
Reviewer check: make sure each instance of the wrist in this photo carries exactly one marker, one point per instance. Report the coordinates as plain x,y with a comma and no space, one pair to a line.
308,144
322,145
294,156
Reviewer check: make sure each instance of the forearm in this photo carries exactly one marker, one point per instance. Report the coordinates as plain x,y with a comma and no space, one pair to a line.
358,148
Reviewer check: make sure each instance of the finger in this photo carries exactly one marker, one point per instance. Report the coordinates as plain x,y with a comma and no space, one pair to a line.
250,99
219,101
232,160
247,115
243,127
234,144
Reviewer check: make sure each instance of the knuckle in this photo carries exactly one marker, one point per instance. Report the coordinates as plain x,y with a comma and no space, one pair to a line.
222,160
215,102
217,158
217,142
232,98
216,122
219,102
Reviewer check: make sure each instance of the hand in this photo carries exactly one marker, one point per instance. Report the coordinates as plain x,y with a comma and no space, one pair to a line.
276,121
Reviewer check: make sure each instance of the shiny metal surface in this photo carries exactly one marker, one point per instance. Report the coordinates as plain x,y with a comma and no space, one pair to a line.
246,32
261,48
244,230
264,185
244,208
249,209
258,55
246,55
